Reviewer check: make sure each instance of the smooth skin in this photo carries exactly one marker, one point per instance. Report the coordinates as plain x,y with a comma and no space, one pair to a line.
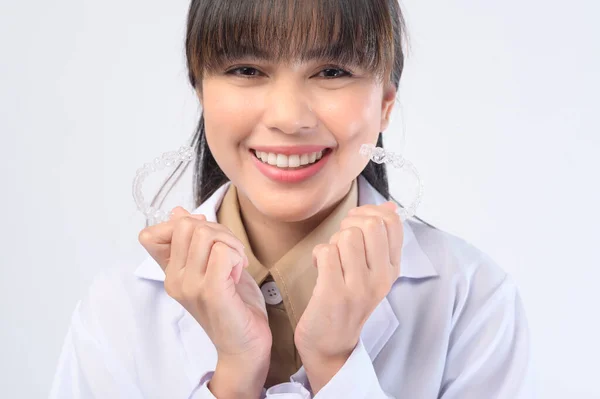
309,103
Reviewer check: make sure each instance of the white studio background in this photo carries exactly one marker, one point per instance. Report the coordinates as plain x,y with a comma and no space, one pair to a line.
497,103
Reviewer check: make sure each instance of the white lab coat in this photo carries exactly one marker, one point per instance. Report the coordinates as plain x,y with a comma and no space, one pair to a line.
452,327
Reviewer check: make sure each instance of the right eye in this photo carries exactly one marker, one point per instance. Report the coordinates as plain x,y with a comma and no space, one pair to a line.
244,72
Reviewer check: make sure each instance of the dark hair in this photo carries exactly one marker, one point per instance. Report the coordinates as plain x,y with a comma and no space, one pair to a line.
365,33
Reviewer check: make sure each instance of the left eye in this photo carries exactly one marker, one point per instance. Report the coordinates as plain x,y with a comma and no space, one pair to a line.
332,73
244,71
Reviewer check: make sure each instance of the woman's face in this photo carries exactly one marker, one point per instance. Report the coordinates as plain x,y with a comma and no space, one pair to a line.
292,114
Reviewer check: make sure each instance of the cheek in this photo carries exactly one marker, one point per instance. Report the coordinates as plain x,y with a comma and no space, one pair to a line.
354,119
352,116
228,113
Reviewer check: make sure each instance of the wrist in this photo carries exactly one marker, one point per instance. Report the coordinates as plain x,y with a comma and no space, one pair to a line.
239,378
321,369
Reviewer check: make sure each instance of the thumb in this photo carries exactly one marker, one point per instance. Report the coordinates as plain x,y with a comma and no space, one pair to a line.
178,212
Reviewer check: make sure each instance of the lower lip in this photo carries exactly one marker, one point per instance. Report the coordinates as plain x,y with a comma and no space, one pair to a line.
290,176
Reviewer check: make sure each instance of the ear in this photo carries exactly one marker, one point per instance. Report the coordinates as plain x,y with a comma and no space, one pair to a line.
387,104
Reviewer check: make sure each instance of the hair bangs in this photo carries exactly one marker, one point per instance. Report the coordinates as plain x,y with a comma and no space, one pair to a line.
355,33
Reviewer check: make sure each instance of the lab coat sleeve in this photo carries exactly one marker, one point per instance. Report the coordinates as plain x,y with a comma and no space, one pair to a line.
290,390
344,384
202,391
355,380
89,369
489,353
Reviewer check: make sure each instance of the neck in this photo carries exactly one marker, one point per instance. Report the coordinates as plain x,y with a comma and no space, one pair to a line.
269,238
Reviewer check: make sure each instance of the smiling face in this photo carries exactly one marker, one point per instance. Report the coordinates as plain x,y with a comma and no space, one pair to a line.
265,122
284,118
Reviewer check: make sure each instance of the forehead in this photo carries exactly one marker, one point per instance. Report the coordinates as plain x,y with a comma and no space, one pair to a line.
353,32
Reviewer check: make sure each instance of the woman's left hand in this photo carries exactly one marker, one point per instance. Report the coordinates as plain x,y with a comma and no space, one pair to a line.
356,271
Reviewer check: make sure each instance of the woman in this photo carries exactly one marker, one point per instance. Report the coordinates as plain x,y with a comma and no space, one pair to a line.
352,302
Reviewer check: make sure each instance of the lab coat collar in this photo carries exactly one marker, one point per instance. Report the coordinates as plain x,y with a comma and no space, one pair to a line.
414,264
378,329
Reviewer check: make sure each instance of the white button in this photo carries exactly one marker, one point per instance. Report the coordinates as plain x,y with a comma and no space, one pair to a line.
271,293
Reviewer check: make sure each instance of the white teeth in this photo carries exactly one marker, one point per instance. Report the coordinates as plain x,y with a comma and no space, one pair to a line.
291,161
304,159
282,161
294,161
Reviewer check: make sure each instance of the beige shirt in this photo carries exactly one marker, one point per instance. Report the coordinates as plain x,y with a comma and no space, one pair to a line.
294,275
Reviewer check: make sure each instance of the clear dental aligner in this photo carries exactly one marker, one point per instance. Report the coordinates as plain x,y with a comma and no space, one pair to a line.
379,155
154,215
186,154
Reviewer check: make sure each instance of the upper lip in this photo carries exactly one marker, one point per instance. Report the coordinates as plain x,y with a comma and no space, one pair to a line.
291,150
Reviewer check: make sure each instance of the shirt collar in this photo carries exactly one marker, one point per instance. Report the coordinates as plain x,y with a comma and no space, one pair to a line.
414,264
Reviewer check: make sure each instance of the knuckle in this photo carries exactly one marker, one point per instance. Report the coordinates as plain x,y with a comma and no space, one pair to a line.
200,217
145,237
184,226
334,238
373,223
393,219
187,222
202,231
220,248
319,249
351,233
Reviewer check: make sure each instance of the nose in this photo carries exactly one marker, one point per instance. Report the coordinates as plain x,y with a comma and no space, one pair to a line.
288,108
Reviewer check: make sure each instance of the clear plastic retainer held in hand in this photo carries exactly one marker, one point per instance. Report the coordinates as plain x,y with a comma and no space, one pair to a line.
186,154
154,215
379,155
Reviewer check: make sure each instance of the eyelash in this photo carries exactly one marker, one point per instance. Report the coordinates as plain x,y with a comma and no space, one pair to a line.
344,73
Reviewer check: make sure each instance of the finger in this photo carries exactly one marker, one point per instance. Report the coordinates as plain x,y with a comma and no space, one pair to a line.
351,247
157,242
180,244
393,225
177,213
205,236
221,264
157,239
330,275
376,252
335,238
230,239
374,234
391,205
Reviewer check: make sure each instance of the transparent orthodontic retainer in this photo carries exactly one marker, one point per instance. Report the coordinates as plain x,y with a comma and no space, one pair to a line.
186,154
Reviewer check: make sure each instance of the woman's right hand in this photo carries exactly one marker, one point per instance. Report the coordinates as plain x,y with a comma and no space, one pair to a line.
203,264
